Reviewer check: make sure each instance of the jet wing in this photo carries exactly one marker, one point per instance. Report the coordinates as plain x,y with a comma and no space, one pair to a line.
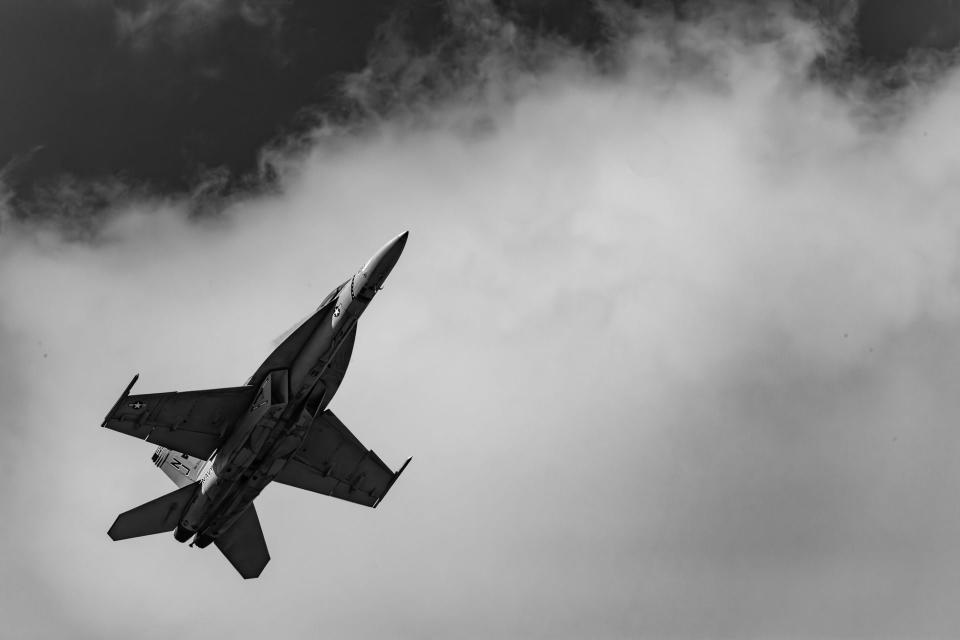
333,462
192,422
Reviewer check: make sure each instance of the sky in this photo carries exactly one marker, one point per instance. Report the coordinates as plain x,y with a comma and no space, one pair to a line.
103,98
671,341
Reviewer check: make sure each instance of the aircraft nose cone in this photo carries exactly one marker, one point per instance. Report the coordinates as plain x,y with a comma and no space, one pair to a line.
398,243
373,274
388,255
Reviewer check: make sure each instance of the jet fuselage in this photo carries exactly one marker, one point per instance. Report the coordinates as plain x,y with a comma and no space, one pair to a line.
293,389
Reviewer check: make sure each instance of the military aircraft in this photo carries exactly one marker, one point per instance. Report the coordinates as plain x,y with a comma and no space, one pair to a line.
223,446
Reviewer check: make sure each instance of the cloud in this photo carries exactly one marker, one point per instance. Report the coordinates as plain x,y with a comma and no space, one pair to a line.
142,24
671,343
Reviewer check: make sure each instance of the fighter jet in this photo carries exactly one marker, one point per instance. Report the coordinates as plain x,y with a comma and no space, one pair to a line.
223,446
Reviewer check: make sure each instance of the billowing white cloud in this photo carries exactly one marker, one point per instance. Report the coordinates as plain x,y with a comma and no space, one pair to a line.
672,346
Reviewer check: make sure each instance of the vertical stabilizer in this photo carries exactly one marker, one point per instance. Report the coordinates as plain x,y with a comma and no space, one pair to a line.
183,469
156,516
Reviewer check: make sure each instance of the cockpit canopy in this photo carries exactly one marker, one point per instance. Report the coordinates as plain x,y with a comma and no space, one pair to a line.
333,294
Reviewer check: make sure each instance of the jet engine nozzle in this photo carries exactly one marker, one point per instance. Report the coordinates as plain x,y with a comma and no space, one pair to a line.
182,534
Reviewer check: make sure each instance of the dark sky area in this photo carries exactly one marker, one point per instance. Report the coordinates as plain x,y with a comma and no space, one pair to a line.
166,96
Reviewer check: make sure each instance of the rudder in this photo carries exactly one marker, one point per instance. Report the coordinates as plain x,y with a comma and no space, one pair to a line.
157,516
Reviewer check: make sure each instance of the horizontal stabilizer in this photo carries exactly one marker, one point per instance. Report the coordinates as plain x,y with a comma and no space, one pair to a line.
156,516
244,546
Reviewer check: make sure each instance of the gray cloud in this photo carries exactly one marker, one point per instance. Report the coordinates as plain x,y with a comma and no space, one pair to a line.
671,343
141,24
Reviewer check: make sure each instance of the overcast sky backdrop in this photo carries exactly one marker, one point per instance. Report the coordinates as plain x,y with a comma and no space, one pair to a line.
672,343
